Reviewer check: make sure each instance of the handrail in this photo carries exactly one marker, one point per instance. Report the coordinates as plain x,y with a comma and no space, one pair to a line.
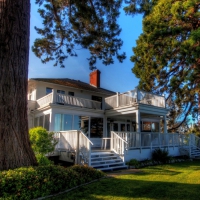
120,137
118,145
86,138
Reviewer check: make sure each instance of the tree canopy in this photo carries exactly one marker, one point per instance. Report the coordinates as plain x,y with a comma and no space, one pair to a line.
167,56
90,24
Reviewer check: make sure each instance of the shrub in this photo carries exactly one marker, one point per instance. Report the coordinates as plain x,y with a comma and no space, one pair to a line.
42,142
133,162
87,173
43,160
160,155
33,182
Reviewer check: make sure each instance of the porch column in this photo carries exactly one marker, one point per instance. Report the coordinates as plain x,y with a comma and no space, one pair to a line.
52,121
105,134
88,135
117,99
138,128
165,124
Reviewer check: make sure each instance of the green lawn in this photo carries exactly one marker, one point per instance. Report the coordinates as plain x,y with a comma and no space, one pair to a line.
180,181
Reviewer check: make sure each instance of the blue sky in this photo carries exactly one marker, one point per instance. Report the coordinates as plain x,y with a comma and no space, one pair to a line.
117,77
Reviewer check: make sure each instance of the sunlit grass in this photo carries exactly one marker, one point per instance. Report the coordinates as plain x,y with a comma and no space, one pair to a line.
180,181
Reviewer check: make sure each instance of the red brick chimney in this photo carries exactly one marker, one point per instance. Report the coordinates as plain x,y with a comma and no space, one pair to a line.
95,78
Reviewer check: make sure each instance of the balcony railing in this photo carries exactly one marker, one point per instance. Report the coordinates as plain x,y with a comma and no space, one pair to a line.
132,97
45,100
67,100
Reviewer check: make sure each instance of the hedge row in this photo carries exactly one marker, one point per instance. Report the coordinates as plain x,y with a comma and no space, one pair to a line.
33,182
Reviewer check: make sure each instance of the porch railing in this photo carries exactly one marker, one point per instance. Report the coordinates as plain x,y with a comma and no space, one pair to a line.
151,140
132,97
75,141
118,144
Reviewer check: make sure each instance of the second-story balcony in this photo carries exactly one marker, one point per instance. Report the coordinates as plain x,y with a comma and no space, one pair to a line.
134,97
62,99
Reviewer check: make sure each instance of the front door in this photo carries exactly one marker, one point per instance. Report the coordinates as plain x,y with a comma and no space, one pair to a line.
96,131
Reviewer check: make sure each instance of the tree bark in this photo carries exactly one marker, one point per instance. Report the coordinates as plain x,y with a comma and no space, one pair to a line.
15,148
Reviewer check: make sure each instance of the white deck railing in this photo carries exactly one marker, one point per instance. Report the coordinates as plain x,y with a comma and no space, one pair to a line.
76,101
151,140
150,99
132,97
67,100
75,141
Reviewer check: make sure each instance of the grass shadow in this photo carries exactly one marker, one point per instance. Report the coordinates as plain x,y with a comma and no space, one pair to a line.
134,189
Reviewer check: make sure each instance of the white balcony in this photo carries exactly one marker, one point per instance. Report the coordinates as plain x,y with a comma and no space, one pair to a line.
134,97
62,99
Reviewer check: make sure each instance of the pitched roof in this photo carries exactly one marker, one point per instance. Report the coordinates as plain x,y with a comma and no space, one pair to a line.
74,84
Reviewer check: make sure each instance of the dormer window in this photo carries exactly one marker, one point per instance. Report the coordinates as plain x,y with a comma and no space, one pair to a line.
49,90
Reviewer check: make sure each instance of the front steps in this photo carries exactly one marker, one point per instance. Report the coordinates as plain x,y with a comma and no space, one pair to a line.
106,160
195,152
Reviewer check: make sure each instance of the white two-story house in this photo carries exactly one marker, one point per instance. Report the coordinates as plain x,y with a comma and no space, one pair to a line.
89,118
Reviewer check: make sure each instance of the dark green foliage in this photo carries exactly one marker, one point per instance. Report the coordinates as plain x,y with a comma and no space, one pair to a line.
133,162
87,174
166,58
194,130
160,155
139,6
29,183
92,24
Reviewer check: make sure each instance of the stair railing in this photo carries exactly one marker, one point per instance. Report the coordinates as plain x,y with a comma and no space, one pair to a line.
75,141
118,144
83,149
194,141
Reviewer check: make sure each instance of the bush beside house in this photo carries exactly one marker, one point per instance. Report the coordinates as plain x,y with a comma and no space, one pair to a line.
42,142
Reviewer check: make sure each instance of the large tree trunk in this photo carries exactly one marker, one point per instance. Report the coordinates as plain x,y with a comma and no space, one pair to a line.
15,149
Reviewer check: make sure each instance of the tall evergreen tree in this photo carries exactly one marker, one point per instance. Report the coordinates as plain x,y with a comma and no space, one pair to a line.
143,7
167,55
15,149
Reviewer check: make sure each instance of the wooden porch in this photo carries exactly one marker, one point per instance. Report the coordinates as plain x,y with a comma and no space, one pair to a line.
120,147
